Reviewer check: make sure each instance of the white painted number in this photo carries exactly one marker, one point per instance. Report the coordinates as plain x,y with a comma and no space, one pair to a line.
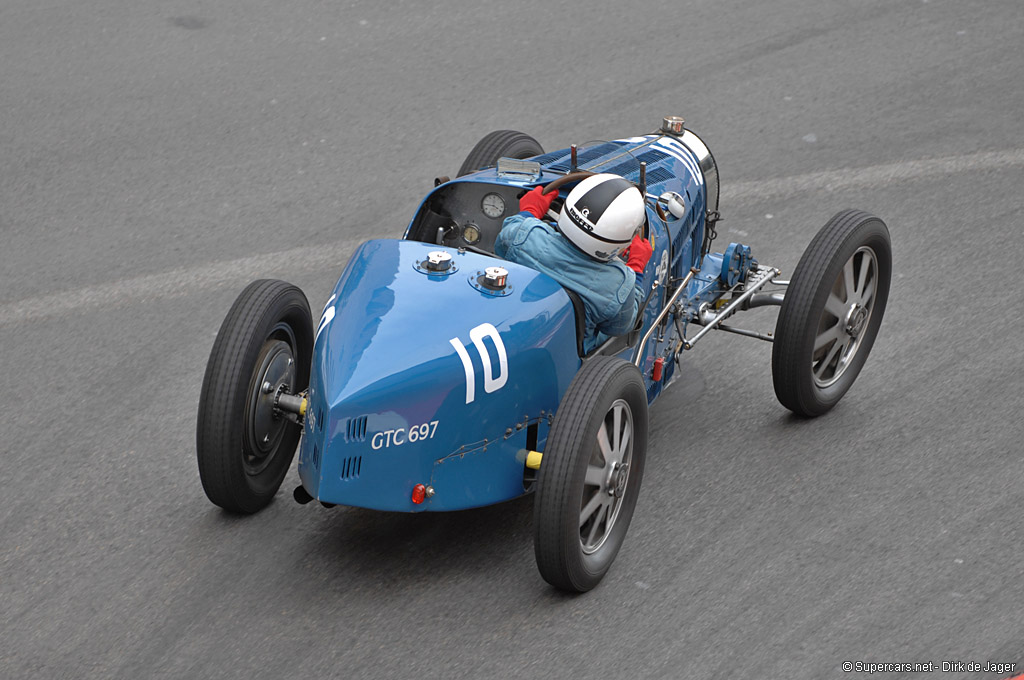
325,319
492,382
477,335
389,438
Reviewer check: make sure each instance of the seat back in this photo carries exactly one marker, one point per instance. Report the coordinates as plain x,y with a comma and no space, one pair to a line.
581,316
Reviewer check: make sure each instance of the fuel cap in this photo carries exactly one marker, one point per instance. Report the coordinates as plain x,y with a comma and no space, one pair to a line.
495,277
674,125
437,261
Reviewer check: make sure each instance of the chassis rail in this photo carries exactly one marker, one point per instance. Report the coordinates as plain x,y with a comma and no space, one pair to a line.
639,351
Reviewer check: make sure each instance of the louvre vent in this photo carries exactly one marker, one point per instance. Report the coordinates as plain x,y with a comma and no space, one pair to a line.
548,157
355,429
651,156
658,175
631,171
350,467
595,152
586,156
623,169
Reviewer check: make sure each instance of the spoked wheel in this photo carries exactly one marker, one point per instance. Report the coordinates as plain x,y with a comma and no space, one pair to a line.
499,144
590,474
244,443
831,313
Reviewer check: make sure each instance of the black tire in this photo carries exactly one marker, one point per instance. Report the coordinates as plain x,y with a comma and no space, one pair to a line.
244,448
499,144
574,541
826,327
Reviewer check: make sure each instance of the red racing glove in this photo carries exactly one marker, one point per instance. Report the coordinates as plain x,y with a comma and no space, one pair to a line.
639,253
537,203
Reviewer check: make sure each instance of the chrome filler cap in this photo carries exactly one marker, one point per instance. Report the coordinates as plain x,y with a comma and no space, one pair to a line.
438,261
495,277
673,125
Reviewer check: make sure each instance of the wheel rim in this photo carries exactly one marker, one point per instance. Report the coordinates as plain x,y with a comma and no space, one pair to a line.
846,317
264,424
607,477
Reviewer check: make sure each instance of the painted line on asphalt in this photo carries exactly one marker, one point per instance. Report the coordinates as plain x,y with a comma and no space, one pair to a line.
871,177
179,282
191,280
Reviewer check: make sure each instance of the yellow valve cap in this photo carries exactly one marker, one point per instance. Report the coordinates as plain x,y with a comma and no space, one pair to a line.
302,407
533,459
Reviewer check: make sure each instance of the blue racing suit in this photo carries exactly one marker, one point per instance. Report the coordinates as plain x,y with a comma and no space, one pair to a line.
611,296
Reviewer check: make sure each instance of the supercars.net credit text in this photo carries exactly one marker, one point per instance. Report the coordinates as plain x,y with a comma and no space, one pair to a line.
929,667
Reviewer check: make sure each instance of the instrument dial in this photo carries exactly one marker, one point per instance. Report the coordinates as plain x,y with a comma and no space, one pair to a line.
493,206
471,234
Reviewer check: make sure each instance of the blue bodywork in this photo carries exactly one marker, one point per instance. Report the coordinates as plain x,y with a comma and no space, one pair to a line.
433,379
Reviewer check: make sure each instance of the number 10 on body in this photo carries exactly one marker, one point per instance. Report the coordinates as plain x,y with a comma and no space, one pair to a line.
494,376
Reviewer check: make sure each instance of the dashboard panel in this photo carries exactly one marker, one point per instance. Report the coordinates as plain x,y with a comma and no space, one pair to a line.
465,214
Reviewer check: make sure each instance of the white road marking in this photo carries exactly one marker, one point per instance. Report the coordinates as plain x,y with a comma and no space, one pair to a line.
874,176
179,282
191,280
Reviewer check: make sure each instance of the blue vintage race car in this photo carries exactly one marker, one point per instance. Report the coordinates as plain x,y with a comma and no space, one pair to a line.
441,377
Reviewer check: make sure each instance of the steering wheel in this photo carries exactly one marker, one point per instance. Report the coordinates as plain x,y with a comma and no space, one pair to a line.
562,181
565,179
581,175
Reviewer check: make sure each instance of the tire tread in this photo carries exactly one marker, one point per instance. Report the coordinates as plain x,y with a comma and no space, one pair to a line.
216,429
552,514
789,352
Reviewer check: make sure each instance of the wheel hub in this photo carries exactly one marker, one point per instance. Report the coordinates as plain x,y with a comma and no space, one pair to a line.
617,483
855,320
608,476
275,374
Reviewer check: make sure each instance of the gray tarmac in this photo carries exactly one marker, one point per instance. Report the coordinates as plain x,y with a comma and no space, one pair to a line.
154,158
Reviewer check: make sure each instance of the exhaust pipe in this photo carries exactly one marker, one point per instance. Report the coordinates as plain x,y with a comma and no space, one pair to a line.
301,496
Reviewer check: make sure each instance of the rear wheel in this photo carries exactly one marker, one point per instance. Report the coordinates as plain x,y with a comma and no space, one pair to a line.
831,313
499,144
590,474
244,444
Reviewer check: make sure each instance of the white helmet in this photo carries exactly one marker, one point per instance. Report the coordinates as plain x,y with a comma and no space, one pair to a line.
601,215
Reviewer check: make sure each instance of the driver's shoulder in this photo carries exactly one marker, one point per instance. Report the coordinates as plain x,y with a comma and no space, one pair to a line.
518,228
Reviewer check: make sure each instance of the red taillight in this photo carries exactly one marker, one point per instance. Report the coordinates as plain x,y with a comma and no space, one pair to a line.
659,366
419,492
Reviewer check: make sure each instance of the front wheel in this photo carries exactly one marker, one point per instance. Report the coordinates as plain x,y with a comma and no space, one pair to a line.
590,474
244,443
831,312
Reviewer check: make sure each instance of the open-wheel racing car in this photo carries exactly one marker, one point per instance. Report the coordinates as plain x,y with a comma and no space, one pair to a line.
441,377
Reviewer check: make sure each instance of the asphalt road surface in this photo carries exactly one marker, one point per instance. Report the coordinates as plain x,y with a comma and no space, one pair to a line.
156,157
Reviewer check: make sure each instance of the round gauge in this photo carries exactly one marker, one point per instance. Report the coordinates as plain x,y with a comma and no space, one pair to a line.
471,234
493,205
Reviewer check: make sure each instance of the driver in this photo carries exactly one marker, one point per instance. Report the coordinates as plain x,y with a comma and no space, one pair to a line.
600,219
